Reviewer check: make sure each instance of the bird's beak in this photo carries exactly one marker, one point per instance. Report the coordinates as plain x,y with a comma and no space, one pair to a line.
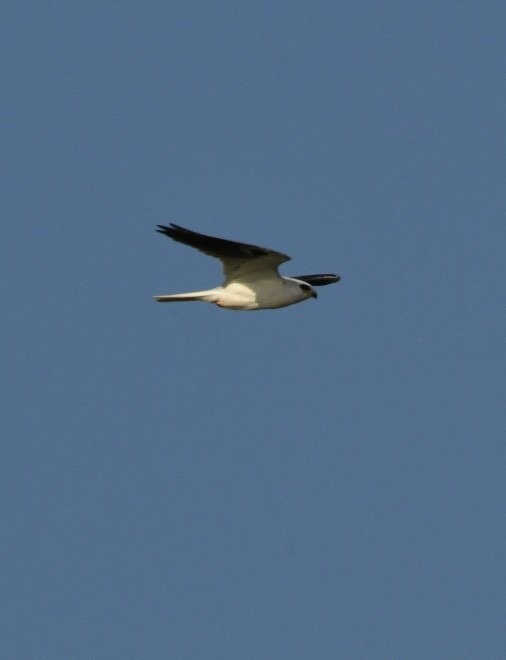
314,294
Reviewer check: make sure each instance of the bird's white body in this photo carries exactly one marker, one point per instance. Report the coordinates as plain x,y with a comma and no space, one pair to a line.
262,294
252,280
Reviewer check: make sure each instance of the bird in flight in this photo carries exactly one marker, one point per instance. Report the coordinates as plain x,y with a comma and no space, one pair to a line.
251,273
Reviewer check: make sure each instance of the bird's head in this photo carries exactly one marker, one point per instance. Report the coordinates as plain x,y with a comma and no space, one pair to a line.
305,289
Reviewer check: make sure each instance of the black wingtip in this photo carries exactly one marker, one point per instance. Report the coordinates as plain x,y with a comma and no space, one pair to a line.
318,280
172,229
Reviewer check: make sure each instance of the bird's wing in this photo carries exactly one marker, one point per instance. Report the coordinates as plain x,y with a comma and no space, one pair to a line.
241,261
317,280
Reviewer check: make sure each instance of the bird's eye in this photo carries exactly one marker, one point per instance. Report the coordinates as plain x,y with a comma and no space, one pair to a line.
305,287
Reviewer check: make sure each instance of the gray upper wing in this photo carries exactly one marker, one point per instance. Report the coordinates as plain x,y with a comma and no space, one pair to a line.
240,260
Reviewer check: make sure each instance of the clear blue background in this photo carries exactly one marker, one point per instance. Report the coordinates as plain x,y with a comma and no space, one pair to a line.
321,481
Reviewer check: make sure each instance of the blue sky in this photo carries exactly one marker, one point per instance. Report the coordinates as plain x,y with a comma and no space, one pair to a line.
325,480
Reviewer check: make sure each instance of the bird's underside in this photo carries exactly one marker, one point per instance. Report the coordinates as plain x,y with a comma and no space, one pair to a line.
252,280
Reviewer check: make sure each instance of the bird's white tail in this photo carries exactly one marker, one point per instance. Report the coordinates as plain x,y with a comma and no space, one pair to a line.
206,296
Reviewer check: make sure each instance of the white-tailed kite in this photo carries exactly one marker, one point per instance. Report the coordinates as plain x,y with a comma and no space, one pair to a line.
251,273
